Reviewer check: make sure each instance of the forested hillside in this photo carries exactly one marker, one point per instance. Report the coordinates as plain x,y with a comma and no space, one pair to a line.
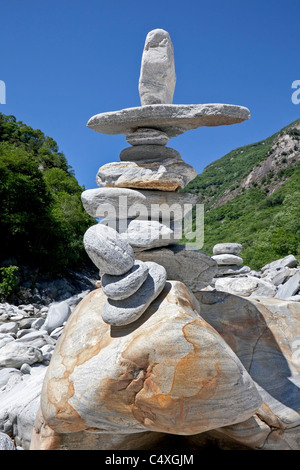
252,196
42,219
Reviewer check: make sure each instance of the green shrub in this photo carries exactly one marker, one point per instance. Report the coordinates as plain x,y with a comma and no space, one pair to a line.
9,283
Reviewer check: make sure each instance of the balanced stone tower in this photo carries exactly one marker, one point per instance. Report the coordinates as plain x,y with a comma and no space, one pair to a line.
136,362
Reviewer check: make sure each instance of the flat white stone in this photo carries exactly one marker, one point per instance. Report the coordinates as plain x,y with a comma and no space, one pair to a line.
125,203
147,234
227,259
166,175
173,119
157,76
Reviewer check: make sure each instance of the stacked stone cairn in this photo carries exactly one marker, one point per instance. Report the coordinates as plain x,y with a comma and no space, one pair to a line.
138,196
228,261
136,360
130,285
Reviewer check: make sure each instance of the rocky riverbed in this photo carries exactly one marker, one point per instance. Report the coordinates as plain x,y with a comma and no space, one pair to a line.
28,335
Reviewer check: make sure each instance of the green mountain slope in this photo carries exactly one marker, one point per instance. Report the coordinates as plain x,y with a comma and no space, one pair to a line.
252,196
42,219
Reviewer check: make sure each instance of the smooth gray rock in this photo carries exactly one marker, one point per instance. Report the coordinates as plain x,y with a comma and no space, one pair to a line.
294,298
194,268
289,288
227,259
19,406
264,333
148,234
148,153
231,270
125,203
9,374
227,248
9,327
38,323
5,338
6,443
157,76
172,119
36,338
288,261
14,354
25,368
121,287
107,250
146,136
124,312
57,314
26,323
277,275
238,286
169,174
245,286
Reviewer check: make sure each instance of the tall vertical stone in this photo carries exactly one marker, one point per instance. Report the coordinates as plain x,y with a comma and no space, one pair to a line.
157,76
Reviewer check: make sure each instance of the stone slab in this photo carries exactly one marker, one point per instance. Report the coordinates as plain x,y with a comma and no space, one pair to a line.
125,203
173,119
227,248
227,259
169,174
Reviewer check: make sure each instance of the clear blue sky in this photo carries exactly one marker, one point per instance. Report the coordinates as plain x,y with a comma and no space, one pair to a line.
64,61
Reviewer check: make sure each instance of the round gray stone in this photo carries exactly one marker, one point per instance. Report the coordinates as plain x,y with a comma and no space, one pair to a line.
5,442
121,287
124,312
141,153
107,250
227,248
146,136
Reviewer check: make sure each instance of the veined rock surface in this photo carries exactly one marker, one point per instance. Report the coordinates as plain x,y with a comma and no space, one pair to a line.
144,376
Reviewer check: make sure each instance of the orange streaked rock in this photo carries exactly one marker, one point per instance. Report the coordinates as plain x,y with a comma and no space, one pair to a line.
169,372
